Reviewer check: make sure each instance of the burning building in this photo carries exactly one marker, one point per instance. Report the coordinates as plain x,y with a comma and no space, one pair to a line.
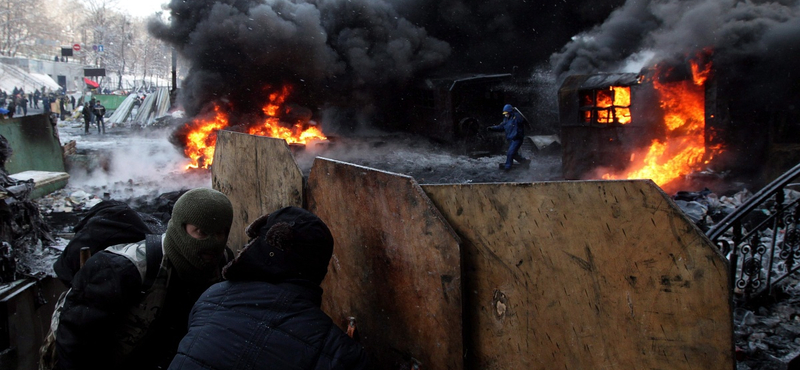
627,125
711,89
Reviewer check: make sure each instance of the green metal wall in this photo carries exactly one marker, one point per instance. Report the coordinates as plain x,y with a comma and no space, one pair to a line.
111,102
35,144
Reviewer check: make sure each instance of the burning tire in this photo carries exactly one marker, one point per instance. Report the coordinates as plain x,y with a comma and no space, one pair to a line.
474,140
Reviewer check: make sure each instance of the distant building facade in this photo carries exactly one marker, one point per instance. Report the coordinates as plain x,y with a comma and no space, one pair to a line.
69,75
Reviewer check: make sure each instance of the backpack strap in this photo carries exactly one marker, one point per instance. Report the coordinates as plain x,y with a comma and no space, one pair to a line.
154,254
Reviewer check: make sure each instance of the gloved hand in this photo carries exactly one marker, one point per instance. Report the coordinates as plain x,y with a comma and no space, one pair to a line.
489,129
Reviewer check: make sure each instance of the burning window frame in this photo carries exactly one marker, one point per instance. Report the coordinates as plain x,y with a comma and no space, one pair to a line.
594,111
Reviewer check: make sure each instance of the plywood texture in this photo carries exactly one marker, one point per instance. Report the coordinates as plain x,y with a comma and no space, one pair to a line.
586,275
395,268
258,174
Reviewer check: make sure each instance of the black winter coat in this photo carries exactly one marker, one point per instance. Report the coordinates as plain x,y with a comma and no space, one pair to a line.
103,291
260,325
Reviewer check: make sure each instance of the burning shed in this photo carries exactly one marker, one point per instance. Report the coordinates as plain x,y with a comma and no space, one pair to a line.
670,123
651,125
597,128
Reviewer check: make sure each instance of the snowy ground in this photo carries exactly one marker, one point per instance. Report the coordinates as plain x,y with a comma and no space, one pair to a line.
144,161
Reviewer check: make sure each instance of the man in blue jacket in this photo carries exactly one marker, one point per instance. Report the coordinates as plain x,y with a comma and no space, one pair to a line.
267,314
513,126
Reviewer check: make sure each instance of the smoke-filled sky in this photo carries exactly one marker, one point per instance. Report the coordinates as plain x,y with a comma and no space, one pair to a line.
755,43
358,52
339,52
326,48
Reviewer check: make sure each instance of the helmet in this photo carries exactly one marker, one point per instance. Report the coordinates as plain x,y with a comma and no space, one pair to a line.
508,108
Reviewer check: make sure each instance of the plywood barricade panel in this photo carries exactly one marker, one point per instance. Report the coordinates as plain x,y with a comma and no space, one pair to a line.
586,275
258,174
395,266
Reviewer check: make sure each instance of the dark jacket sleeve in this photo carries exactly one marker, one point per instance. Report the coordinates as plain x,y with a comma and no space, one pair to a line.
102,291
512,126
498,128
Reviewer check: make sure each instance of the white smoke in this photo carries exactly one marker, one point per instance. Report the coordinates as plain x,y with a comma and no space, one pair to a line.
132,166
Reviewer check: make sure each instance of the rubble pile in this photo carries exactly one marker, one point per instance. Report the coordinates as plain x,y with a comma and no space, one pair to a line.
65,208
24,234
767,332
134,110
705,208
767,329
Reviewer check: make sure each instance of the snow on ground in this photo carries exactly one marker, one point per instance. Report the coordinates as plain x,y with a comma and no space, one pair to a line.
127,163
145,162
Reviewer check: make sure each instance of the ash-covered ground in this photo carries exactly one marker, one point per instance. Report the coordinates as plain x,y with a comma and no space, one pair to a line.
129,163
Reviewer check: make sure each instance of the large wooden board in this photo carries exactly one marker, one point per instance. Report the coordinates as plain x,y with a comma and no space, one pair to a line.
258,174
395,267
586,275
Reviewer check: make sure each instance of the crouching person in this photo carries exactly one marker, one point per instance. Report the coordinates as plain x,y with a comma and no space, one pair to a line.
267,314
123,314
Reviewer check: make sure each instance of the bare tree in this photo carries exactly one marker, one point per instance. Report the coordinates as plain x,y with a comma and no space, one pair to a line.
68,18
119,39
23,27
99,26
109,39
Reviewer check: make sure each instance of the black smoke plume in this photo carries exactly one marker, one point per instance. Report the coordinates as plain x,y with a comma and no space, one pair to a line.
331,51
755,43
500,36
361,53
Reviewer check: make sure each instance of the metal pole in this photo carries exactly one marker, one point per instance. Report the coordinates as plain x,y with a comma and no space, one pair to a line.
174,70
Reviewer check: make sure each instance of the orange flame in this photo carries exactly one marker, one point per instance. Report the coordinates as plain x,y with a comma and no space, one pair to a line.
622,102
297,134
202,138
701,68
617,98
683,149
201,141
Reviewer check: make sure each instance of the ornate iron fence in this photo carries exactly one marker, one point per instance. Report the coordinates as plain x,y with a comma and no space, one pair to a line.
762,238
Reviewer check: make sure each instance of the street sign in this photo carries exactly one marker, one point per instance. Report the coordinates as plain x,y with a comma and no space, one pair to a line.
94,72
76,47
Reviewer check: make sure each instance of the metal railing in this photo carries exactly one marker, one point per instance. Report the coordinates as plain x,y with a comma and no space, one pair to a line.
763,249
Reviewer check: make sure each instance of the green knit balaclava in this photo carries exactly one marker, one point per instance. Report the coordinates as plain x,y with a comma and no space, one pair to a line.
212,212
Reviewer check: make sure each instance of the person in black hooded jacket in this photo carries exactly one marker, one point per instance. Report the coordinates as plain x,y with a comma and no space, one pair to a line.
267,314
113,317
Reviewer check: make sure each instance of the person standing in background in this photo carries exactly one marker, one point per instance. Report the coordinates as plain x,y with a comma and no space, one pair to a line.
99,113
87,117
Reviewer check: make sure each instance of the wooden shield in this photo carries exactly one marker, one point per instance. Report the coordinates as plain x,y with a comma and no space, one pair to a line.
586,275
395,267
258,174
